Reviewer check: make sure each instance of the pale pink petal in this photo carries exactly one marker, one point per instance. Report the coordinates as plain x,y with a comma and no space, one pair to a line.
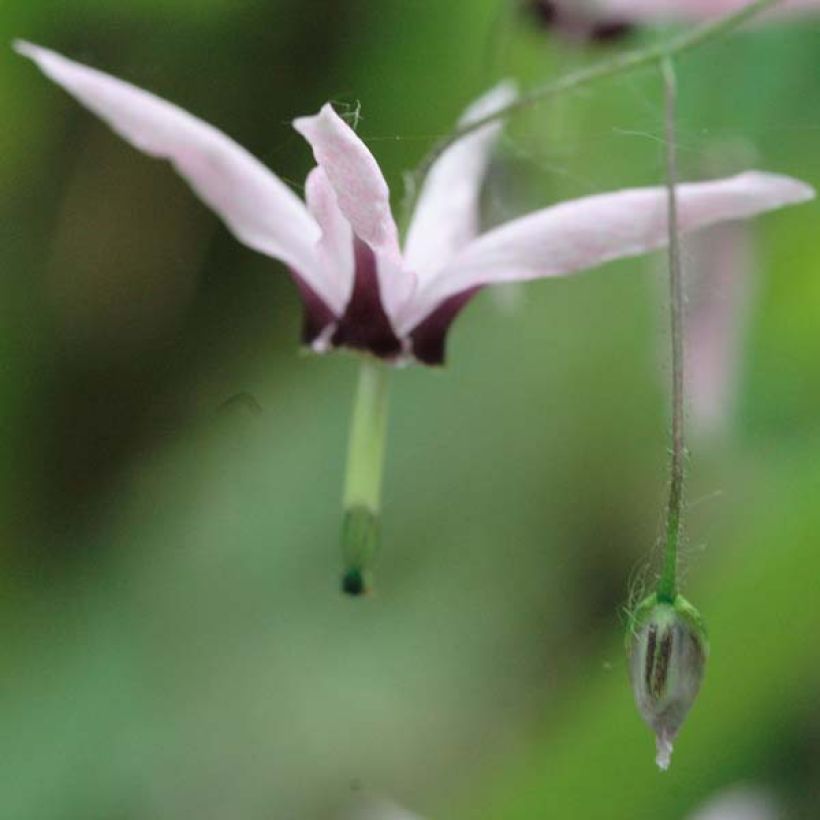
720,276
740,802
258,208
583,233
363,197
335,247
692,10
447,213
355,175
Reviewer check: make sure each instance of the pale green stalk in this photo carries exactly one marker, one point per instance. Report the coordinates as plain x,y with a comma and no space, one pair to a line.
365,455
363,476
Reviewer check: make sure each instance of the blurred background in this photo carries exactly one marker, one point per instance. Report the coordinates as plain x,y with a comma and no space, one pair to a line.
172,638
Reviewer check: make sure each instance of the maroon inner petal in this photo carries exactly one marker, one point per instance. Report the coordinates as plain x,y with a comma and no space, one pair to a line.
429,336
317,316
365,325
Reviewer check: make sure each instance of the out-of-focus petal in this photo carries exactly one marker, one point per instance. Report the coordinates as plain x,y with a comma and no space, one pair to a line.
362,195
578,21
258,208
583,233
741,802
692,10
447,213
720,279
335,247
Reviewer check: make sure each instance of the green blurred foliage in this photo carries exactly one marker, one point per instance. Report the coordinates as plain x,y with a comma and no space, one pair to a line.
173,642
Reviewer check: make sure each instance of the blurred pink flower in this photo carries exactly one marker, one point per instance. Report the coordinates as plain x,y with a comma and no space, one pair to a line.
720,278
604,20
740,802
360,288
579,21
690,10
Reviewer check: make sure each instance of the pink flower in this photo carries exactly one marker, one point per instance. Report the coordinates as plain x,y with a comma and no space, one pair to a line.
579,21
361,289
605,13
720,279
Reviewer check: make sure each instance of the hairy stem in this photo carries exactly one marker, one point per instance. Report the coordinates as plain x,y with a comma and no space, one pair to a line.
668,586
625,62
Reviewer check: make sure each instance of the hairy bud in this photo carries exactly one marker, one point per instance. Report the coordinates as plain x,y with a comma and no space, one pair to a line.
667,649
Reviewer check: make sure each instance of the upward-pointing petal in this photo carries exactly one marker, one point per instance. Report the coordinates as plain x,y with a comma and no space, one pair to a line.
355,175
336,245
446,217
259,209
362,194
580,234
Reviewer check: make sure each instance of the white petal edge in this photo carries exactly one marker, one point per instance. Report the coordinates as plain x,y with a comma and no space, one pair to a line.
257,207
362,195
587,232
447,214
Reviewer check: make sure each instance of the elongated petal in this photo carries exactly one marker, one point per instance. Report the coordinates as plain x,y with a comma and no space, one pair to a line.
692,10
336,244
446,217
720,276
258,208
362,195
580,234
355,175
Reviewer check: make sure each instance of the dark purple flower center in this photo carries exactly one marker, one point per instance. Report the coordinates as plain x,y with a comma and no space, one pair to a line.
364,325
316,315
575,22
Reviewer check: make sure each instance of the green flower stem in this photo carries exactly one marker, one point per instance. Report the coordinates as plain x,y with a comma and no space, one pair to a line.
621,64
668,584
363,477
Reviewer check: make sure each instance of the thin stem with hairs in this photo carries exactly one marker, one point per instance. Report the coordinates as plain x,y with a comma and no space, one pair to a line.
667,586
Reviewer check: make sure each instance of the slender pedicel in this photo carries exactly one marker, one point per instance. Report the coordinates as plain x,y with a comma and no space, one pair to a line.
666,641
363,477
668,586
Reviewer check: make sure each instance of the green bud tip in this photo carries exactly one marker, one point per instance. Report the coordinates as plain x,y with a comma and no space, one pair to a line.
354,582
667,648
360,541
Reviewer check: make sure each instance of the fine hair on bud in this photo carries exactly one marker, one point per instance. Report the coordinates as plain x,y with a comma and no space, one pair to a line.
667,648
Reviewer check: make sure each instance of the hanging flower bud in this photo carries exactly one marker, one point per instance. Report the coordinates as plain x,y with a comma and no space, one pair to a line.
667,650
